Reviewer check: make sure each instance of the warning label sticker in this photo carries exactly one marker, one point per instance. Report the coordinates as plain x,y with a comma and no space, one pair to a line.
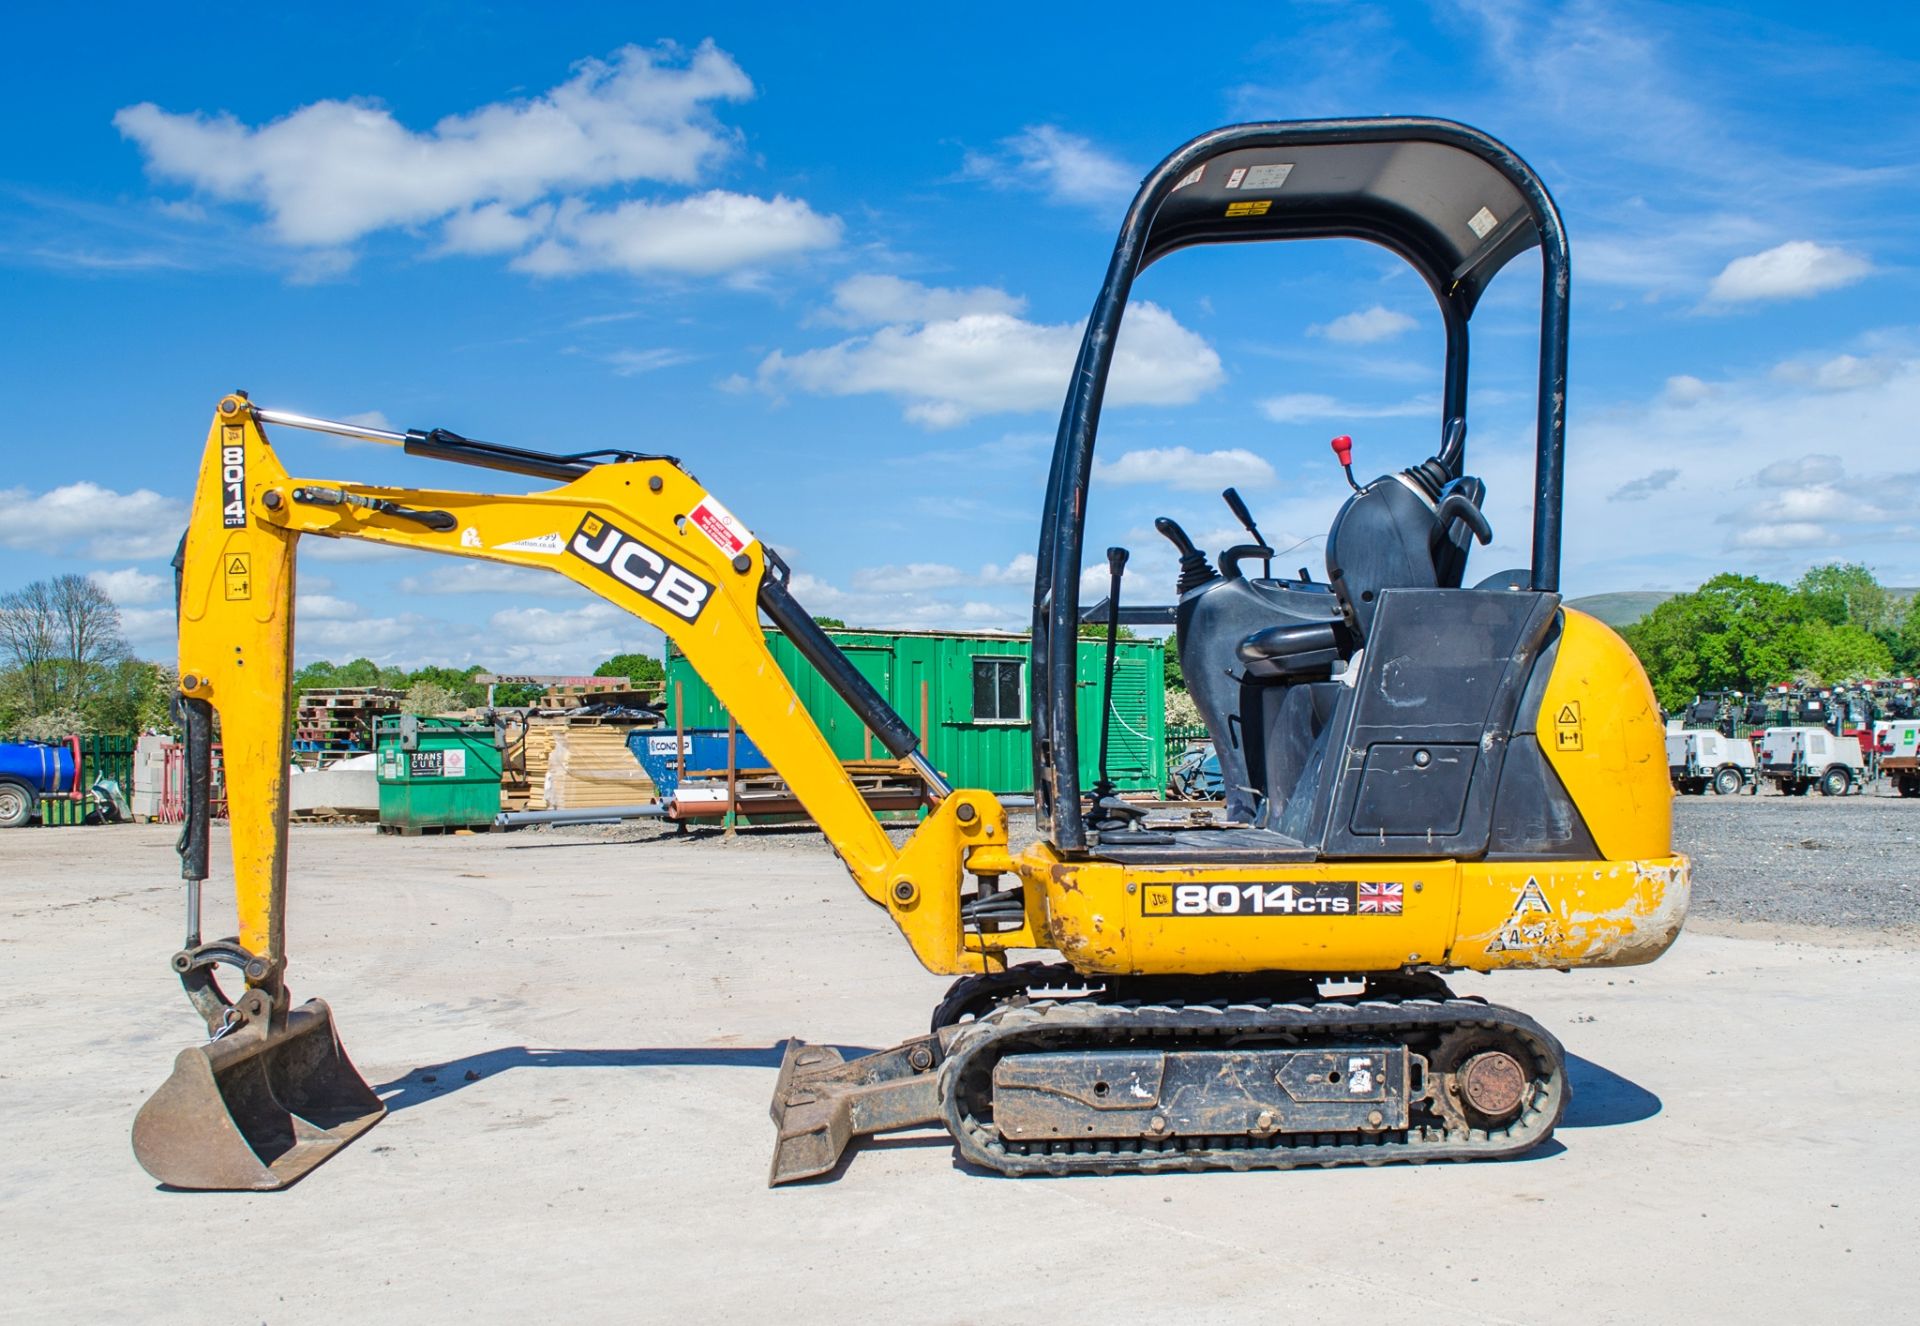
238,573
1567,729
1270,176
1193,176
1481,223
1251,207
1526,925
718,524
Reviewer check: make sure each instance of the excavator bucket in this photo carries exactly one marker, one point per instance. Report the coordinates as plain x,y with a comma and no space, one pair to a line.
256,1109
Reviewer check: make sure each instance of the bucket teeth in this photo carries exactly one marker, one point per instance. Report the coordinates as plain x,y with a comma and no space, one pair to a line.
256,1109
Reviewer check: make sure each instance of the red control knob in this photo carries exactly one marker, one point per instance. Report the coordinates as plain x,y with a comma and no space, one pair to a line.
1343,449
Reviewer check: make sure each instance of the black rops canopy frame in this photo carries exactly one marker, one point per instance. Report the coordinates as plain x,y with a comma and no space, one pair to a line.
1456,204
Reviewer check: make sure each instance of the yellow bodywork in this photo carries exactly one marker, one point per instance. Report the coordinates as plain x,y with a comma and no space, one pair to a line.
236,636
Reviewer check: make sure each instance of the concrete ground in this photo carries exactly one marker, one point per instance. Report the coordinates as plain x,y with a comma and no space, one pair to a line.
577,1040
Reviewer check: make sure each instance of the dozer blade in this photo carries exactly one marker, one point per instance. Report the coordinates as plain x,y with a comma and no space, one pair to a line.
821,1102
256,1109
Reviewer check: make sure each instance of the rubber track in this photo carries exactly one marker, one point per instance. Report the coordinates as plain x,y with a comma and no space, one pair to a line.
967,1075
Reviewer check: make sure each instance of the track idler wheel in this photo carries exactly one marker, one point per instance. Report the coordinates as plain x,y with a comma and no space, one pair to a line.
1482,1077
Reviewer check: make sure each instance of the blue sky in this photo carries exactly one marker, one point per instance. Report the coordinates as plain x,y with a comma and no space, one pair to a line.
838,264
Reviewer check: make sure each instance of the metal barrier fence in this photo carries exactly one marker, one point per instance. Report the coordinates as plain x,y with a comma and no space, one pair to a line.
1182,736
102,755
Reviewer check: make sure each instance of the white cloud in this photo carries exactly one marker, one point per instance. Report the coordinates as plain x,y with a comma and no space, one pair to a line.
1823,501
92,521
1064,166
1839,372
130,586
1792,534
1366,326
917,576
334,171
1299,407
905,609
948,370
150,631
1018,571
914,575
702,235
1788,271
871,300
633,363
324,607
494,228
1685,389
1814,468
1184,468
1748,495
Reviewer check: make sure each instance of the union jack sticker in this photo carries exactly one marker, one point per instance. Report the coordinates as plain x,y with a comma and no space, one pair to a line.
1381,899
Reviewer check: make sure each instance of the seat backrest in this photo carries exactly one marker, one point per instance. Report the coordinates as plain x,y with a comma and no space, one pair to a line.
1382,539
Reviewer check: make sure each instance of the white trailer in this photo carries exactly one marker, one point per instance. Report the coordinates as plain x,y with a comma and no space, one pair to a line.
1700,758
1898,740
1798,759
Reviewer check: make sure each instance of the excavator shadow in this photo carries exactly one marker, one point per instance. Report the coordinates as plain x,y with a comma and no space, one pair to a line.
1603,1099
431,1082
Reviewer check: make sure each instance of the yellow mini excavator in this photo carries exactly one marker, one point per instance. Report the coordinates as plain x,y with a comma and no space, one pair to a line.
1422,775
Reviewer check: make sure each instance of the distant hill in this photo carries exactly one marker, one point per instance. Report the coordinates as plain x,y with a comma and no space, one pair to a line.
1621,609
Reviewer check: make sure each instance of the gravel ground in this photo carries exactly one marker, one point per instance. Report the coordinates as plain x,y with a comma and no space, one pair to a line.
1847,863
1784,862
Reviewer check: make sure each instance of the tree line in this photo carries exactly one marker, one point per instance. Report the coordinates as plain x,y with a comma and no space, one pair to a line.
439,690
65,669
1837,623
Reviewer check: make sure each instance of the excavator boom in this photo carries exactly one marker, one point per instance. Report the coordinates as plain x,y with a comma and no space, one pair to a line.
273,1093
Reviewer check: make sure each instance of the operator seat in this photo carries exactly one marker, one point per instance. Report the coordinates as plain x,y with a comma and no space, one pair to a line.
1410,530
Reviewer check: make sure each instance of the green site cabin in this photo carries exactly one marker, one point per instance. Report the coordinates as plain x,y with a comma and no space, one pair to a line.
977,728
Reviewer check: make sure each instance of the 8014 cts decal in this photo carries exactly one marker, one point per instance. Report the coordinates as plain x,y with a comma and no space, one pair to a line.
1305,898
601,543
233,480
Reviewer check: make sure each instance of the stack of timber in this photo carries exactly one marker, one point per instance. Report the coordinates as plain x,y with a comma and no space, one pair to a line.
334,722
590,767
573,762
885,785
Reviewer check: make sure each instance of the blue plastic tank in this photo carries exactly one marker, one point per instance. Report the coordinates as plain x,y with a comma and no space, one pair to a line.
42,767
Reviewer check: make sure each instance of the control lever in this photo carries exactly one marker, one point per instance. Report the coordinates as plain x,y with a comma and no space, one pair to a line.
1116,567
1453,445
1245,517
1343,452
1195,569
1458,506
1230,559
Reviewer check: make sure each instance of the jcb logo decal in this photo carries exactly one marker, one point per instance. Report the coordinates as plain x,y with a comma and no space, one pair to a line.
233,481
639,567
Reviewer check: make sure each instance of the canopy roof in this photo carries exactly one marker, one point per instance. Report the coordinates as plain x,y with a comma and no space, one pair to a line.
1451,201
